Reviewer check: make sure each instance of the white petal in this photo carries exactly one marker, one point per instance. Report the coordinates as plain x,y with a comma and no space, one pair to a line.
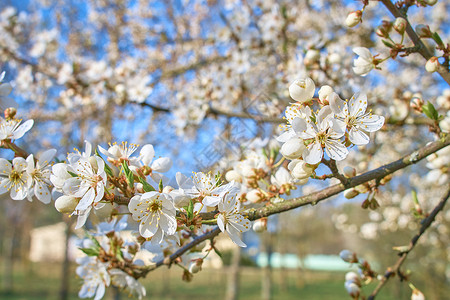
162,164
357,105
336,150
337,105
313,154
358,137
46,157
23,128
147,154
363,52
371,123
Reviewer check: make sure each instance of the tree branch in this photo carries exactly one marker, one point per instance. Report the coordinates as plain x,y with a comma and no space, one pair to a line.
422,49
396,268
313,198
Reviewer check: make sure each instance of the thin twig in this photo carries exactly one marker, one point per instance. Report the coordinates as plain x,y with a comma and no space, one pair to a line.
396,268
421,48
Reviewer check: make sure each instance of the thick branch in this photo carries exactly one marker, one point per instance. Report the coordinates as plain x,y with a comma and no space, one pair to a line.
315,197
422,49
378,173
425,225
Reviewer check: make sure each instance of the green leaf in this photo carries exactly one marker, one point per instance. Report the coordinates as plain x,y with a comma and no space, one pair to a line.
190,210
430,111
387,44
414,195
90,251
72,174
435,36
147,187
218,180
160,186
128,174
218,252
108,169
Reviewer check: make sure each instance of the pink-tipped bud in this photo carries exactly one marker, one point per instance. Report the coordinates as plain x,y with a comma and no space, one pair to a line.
400,25
196,266
382,31
10,113
423,31
260,225
353,18
416,103
432,65
348,256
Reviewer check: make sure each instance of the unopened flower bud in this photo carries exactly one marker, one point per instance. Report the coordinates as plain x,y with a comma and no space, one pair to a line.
324,92
253,196
167,189
196,266
10,112
431,2
348,256
416,103
302,90
445,124
381,31
432,65
66,204
353,277
260,225
334,58
349,171
351,193
417,295
400,25
423,31
353,18
352,289
312,56
300,169
293,148
233,175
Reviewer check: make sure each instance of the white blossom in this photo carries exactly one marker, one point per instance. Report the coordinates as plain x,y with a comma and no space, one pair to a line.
364,63
325,133
352,115
231,221
39,173
14,178
95,276
155,213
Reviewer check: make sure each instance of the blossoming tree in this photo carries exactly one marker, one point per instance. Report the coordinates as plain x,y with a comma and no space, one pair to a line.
185,69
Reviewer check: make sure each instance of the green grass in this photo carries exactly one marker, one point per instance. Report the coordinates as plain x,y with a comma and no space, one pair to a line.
42,281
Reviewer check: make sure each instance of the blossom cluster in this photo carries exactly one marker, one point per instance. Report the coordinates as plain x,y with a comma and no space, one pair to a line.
337,125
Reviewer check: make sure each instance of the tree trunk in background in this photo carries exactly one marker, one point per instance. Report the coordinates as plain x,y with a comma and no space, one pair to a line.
233,275
284,278
65,270
266,284
8,259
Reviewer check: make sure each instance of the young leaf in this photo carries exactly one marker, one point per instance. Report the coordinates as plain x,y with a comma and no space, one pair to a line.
160,186
190,210
128,174
146,186
430,111
90,251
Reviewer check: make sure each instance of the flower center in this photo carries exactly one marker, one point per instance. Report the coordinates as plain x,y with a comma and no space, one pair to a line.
15,177
155,206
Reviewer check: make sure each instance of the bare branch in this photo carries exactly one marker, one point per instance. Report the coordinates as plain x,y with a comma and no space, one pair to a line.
422,49
396,268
